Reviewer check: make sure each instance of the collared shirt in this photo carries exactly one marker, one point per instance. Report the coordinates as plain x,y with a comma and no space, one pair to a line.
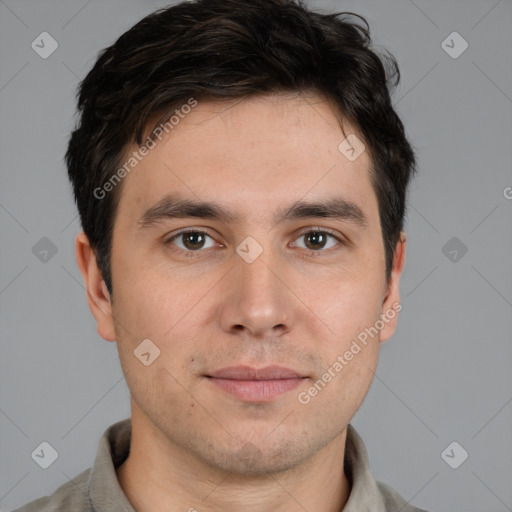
97,489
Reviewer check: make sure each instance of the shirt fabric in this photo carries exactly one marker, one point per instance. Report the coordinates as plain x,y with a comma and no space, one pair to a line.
97,489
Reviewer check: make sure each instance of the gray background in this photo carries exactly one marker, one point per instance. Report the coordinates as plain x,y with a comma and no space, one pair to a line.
446,374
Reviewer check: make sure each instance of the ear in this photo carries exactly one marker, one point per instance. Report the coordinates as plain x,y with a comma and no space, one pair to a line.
97,293
391,304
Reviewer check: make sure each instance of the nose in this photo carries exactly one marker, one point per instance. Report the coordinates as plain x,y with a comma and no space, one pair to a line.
257,302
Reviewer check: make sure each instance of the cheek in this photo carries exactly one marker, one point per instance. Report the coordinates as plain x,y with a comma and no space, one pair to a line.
350,348
152,305
347,306
158,389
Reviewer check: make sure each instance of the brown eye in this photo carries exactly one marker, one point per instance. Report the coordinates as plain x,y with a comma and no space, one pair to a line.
315,240
191,240
318,239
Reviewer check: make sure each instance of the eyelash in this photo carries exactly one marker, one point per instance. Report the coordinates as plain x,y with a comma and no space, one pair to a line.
309,252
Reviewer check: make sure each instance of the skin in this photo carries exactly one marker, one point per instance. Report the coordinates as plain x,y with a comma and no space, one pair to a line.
194,446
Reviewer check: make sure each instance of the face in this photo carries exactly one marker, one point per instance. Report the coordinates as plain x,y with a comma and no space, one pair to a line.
268,287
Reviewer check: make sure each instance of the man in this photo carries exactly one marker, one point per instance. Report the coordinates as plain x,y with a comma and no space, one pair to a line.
241,179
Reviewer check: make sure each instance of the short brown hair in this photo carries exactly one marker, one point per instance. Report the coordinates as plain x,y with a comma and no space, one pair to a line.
225,49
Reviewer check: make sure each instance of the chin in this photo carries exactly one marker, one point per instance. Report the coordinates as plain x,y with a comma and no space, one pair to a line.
258,459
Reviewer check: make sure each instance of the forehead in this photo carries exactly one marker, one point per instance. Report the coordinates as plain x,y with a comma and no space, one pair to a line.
255,153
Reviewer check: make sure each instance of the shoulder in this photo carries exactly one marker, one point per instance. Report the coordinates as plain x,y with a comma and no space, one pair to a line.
394,502
73,495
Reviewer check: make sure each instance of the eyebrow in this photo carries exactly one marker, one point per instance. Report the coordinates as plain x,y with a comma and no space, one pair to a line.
170,207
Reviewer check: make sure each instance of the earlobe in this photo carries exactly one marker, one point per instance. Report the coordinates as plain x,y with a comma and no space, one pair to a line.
98,296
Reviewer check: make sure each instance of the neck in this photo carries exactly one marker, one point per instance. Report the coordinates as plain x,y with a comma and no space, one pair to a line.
159,475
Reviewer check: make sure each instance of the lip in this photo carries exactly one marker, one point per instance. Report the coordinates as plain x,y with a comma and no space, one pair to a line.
256,384
248,373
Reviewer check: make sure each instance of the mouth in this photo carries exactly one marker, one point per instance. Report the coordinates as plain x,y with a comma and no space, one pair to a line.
256,385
